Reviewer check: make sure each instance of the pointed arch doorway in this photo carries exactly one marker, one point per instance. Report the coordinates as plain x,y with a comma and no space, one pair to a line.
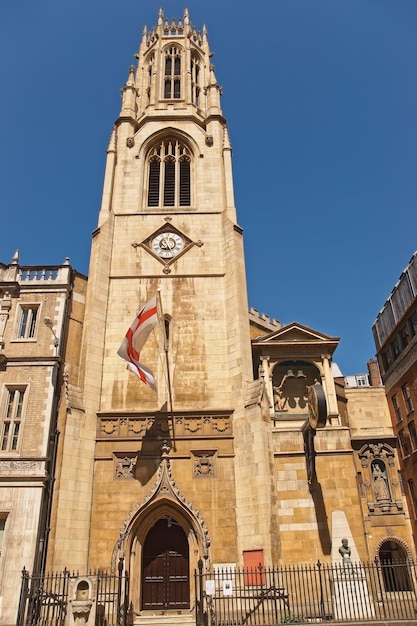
165,567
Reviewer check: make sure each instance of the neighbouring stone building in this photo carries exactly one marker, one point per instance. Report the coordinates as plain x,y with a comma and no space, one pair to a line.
395,335
254,448
41,314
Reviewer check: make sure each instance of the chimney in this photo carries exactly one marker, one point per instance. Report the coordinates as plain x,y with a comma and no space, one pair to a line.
374,375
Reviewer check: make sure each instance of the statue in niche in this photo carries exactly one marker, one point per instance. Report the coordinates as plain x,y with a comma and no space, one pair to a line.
380,482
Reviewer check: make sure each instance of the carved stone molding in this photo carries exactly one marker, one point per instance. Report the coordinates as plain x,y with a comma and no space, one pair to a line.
125,467
204,463
136,427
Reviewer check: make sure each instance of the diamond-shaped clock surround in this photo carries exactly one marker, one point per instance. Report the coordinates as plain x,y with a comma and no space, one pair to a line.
181,238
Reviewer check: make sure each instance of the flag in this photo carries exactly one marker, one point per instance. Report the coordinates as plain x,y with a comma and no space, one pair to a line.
143,324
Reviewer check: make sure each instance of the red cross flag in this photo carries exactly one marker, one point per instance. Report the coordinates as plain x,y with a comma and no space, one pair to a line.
143,324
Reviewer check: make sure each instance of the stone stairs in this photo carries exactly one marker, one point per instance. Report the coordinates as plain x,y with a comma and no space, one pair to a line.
164,618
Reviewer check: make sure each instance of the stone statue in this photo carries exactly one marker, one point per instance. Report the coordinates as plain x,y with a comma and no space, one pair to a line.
380,483
345,551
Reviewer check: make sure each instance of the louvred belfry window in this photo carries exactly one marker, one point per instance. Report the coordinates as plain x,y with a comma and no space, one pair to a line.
172,73
169,182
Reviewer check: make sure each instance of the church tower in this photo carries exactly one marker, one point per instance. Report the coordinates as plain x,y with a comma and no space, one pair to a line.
189,467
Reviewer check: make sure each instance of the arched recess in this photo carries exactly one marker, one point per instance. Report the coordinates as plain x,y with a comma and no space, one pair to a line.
165,503
290,379
394,558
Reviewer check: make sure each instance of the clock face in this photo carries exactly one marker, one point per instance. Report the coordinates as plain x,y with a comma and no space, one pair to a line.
167,245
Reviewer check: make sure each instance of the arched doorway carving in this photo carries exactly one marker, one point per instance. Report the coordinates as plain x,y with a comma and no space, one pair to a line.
165,567
136,545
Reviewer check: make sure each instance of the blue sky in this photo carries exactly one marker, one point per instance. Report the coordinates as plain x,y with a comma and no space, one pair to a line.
321,101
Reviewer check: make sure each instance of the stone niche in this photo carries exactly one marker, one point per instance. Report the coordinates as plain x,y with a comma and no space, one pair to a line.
82,604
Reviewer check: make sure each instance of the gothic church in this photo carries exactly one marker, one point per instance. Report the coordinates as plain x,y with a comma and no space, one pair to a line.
252,449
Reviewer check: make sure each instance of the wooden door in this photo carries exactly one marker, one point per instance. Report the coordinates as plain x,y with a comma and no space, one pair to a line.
165,575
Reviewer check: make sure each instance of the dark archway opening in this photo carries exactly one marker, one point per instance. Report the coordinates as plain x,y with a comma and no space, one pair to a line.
394,566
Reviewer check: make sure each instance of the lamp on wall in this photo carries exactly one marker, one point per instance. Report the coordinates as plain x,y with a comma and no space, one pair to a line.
48,322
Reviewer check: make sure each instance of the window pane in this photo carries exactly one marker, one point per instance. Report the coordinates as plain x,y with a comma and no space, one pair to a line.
23,323
185,199
5,435
19,395
407,398
15,436
32,325
177,89
167,89
154,176
396,408
413,434
169,189
168,66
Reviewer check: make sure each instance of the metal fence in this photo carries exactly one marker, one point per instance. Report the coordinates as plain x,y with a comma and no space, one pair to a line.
379,591
46,599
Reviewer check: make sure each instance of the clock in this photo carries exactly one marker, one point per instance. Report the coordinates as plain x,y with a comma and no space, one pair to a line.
167,245
317,406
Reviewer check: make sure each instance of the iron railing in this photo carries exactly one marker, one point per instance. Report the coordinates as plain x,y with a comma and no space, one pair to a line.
45,599
376,592
312,593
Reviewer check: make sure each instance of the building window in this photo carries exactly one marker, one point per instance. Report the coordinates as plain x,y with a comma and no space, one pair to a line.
413,323
386,359
26,323
413,435
396,346
407,398
404,333
195,80
401,482
169,181
172,73
405,442
12,418
362,380
397,409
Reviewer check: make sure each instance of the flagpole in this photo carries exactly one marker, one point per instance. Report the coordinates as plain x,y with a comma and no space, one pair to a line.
164,334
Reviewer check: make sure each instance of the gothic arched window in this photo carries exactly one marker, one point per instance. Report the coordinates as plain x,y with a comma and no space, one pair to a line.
169,180
172,73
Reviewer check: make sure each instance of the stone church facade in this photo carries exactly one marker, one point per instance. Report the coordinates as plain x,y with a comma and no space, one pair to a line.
250,450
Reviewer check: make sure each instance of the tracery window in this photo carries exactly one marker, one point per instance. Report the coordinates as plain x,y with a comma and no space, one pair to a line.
172,73
169,179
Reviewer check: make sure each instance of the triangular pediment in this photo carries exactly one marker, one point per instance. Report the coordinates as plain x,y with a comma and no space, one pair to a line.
295,332
296,336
